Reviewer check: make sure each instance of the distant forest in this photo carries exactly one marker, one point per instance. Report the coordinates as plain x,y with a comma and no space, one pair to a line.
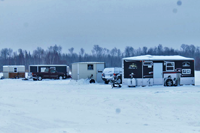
112,58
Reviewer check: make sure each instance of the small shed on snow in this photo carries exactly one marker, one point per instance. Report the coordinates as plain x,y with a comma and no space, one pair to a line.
14,71
83,70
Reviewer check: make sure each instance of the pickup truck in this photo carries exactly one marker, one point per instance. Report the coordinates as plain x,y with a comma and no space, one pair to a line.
48,74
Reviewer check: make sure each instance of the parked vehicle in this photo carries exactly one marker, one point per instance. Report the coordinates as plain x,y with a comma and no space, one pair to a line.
48,73
111,73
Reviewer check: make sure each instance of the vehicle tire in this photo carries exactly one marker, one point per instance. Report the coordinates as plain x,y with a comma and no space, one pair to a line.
34,79
60,77
92,81
169,82
106,82
39,78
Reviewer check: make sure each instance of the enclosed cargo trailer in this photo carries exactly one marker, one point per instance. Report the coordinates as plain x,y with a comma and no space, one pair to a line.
42,68
158,70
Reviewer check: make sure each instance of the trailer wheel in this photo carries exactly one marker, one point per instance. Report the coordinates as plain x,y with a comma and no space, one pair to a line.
169,82
39,78
92,81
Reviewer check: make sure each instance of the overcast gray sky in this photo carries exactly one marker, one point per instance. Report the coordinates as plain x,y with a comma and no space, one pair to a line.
29,24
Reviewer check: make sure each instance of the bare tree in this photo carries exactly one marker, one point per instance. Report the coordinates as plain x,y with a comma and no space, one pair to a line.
39,55
129,51
53,54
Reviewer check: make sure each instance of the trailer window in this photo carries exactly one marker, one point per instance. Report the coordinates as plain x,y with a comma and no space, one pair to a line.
15,69
42,69
186,71
90,66
170,66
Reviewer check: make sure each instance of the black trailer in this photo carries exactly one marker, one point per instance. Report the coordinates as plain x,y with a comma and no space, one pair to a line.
42,68
158,70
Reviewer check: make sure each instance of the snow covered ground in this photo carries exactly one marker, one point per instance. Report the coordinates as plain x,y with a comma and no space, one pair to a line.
66,106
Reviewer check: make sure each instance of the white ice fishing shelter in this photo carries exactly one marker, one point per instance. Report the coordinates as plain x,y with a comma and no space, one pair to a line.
14,71
158,70
83,70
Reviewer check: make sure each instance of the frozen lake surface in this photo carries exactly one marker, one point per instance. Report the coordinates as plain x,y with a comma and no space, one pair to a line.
67,106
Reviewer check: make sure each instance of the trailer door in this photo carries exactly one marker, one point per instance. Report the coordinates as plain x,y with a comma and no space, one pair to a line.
158,73
100,68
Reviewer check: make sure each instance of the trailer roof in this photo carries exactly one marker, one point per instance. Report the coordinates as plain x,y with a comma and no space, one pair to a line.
90,62
162,57
48,65
14,66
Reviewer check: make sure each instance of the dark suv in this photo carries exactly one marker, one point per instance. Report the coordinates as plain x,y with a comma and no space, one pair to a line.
48,74
109,74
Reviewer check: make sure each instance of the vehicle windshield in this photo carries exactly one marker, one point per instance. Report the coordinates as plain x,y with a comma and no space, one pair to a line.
108,70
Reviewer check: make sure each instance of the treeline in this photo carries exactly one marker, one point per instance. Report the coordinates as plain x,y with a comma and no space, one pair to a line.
112,58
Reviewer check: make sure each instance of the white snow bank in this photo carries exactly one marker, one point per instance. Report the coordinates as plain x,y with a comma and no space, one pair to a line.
67,106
